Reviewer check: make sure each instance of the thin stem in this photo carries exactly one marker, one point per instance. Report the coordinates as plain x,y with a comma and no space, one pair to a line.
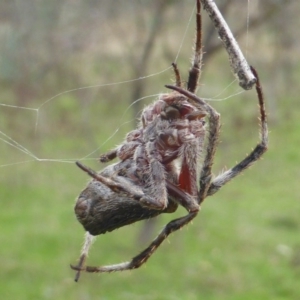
237,60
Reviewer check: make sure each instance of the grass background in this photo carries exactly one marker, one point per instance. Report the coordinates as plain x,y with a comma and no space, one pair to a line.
245,243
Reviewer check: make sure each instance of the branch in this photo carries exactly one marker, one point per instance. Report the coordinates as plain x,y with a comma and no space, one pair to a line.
237,60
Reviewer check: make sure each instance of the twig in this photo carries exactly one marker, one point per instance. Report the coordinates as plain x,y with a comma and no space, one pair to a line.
236,58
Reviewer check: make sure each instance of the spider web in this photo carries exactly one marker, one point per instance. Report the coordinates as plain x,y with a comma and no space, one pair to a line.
20,147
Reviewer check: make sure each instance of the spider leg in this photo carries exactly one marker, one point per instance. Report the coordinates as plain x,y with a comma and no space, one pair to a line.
157,177
212,143
125,150
194,72
191,152
188,171
212,140
258,151
119,187
122,152
177,74
187,201
84,253
110,155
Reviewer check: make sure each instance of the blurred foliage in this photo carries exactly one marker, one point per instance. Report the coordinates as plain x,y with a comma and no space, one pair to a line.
65,75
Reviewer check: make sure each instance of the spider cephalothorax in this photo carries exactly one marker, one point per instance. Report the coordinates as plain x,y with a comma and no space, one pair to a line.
165,162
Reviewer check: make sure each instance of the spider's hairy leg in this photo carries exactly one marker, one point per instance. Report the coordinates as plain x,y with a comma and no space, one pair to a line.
187,201
108,156
191,151
210,151
189,136
188,172
212,139
194,72
84,253
157,177
125,150
142,258
258,151
177,74
116,186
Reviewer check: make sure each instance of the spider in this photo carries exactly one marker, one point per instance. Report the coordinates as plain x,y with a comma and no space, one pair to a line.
165,162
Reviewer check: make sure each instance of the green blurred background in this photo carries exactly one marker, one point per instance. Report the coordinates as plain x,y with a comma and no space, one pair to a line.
245,243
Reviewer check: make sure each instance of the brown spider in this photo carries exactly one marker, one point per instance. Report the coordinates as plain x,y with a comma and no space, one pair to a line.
160,166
